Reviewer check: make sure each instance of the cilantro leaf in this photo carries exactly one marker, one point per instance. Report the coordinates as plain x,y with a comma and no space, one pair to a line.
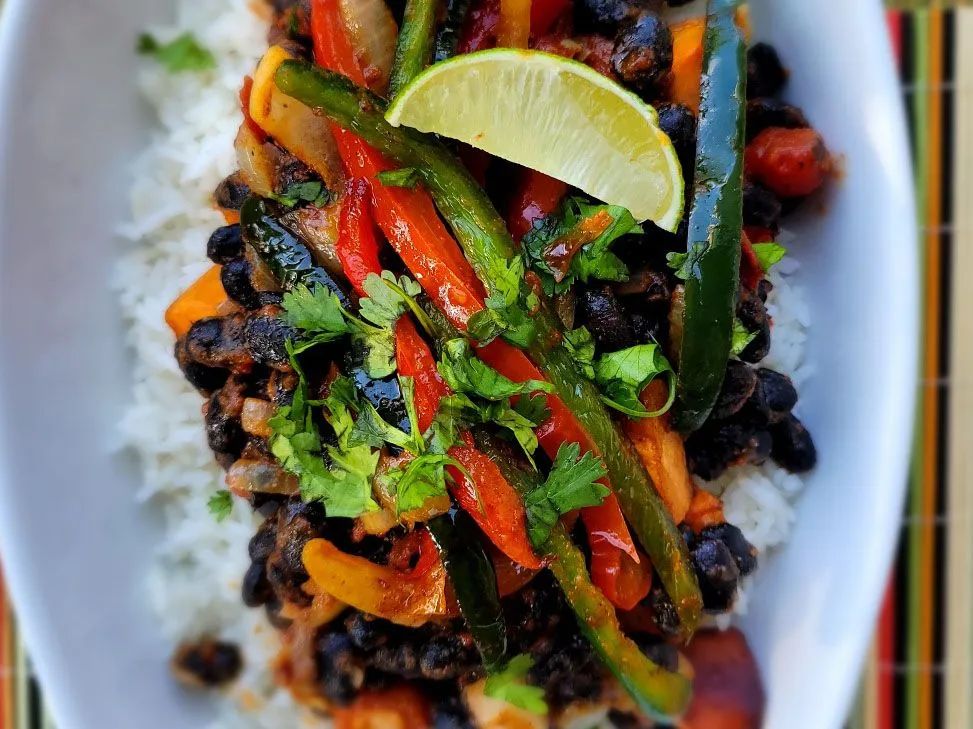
571,484
581,346
573,244
181,54
685,263
510,685
220,504
507,306
345,488
465,373
317,312
313,192
403,177
423,478
533,408
768,254
621,376
386,303
741,338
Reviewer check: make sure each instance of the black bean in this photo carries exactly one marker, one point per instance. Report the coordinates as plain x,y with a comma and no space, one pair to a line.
760,207
398,659
621,719
225,244
766,75
663,610
204,378
273,611
256,589
679,123
263,542
341,669
793,447
224,433
232,192
217,342
752,313
778,390
445,657
285,569
567,668
738,385
266,338
366,632
601,312
660,653
763,113
717,572
744,553
236,278
451,713
642,56
763,289
207,664
720,444
291,171
606,15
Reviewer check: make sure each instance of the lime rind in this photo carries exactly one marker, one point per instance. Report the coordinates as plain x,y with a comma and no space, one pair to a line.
574,124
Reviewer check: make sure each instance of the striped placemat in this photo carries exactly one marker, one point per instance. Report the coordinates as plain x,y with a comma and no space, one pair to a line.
920,670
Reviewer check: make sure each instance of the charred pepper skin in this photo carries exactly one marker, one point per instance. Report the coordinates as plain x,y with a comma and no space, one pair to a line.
715,222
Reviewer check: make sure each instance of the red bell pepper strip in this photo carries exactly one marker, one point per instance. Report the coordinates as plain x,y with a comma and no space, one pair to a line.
416,361
480,31
543,14
408,218
613,552
536,197
750,269
357,245
493,503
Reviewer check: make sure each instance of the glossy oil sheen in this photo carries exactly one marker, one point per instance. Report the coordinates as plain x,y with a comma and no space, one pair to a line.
74,544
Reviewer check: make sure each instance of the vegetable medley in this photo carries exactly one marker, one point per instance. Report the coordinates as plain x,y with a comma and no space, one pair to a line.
475,404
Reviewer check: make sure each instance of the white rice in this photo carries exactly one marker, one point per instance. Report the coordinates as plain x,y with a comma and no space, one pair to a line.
194,583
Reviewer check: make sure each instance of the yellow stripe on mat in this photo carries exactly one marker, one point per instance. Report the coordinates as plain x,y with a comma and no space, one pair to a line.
959,465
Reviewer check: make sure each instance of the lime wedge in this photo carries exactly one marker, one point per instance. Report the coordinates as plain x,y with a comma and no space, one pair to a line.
556,116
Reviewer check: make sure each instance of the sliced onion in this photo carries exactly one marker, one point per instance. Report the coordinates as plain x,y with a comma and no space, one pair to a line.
247,477
294,126
373,33
255,415
257,161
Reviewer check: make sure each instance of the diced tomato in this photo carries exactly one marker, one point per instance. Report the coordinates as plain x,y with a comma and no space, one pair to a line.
544,13
790,162
727,690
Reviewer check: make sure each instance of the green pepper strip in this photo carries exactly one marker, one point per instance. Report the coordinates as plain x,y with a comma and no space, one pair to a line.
470,570
659,693
489,249
474,582
414,48
716,220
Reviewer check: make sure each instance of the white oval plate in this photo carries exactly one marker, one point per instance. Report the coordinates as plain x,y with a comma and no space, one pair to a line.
74,544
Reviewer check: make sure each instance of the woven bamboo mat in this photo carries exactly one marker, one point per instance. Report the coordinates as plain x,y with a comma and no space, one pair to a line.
919,673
